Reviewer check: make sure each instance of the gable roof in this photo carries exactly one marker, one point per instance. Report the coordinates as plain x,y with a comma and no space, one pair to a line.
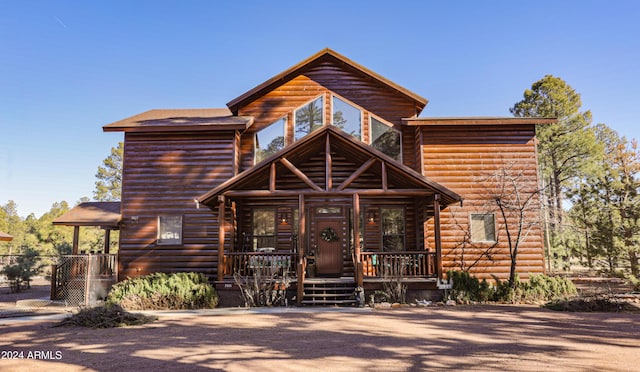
92,214
341,142
5,237
323,55
179,120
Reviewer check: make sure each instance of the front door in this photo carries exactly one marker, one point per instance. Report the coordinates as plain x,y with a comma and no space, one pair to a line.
328,244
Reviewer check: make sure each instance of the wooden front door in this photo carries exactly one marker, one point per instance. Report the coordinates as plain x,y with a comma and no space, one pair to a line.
329,249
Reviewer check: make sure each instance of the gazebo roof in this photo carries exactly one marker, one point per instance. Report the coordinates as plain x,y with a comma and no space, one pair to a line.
106,214
5,237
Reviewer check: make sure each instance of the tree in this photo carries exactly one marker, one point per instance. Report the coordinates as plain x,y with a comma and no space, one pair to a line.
109,183
308,118
515,197
566,149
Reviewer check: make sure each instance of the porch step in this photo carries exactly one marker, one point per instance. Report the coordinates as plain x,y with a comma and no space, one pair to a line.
327,292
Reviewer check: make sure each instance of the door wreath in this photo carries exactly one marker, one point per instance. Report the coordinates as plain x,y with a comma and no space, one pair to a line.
329,235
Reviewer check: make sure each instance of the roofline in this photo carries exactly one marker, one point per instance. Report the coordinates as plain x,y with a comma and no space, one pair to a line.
174,128
478,120
443,190
282,77
131,123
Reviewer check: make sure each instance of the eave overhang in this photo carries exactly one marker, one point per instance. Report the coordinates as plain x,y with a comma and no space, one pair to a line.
181,120
103,214
339,141
287,75
478,121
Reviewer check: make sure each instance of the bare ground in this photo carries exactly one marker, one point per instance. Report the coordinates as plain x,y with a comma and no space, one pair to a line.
512,338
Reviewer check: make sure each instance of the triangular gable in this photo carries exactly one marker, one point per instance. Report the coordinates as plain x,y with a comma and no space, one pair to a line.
364,159
321,57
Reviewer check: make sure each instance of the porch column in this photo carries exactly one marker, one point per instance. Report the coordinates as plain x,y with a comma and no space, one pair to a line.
436,234
221,201
76,238
356,241
107,240
302,238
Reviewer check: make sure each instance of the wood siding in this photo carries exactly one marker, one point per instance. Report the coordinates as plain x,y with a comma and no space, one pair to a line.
460,157
162,174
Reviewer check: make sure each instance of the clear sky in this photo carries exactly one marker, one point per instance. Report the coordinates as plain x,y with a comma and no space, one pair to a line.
69,67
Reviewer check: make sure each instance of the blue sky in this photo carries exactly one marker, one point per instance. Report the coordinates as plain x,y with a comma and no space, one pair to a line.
69,67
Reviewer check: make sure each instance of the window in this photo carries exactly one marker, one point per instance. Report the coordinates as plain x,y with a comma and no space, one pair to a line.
347,117
309,117
392,229
264,228
270,139
385,138
169,230
483,228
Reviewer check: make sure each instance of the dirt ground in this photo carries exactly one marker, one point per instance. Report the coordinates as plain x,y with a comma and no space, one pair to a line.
480,337
511,338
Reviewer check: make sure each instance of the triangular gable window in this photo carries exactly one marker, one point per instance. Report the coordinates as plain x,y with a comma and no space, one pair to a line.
270,139
347,117
309,117
385,138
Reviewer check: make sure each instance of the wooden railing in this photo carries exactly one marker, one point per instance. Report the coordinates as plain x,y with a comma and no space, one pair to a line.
414,264
249,263
75,272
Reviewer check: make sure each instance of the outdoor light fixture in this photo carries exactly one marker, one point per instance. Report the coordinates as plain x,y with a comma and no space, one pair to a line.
284,217
371,217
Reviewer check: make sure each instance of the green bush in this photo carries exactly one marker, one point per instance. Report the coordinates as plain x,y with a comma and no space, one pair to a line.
539,288
161,291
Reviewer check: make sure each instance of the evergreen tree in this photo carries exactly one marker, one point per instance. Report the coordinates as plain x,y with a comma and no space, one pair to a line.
109,175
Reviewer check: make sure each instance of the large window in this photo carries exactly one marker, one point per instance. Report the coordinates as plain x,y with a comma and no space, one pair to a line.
309,117
169,230
347,117
270,139
483,227
385,138
264,228
392,229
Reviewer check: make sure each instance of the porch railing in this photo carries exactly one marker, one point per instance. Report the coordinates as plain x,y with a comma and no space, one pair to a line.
82,279
410,264
250,263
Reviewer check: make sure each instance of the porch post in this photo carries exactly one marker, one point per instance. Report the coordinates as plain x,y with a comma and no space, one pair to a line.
302,238
356,240
76,238
107,240
221,201
436,234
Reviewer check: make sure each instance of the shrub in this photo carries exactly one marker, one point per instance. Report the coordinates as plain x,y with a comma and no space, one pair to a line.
26,266
266,287
161,291
107,316
538,288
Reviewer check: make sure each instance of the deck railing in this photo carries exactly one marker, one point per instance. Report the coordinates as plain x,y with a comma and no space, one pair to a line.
77,279
410,264
249,263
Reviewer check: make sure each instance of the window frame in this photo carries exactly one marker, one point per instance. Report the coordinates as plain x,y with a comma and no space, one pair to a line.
159,231
472,238
403,235
348,102
295,121
254,236
284,120
392,127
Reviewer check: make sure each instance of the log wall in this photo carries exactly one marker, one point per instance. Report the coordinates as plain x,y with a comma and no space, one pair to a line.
461,158
162,174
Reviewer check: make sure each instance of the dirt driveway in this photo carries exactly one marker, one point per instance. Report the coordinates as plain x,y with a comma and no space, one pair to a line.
517,338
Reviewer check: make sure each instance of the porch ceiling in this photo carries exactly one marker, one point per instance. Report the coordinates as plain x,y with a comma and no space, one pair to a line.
329,161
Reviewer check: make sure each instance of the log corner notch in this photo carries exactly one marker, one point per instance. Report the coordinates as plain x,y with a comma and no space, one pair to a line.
221,235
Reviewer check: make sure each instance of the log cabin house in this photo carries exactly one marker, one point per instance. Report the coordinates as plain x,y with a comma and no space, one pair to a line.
327,172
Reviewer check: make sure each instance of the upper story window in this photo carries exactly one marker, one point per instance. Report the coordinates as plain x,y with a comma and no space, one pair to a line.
309,117
270,139
385,138
347,117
